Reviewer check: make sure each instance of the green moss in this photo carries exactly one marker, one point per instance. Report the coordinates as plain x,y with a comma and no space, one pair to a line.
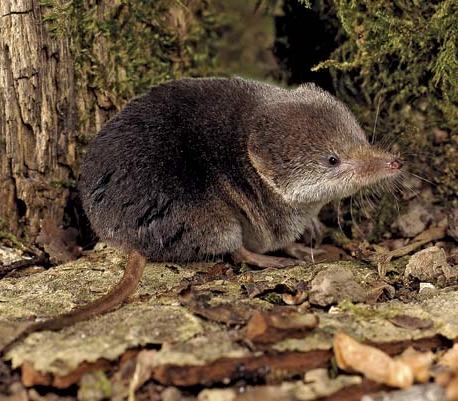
364,312
123,47
273,298
95,386
69,184
9,238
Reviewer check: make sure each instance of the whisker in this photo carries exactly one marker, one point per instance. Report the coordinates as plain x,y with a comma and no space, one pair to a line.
353,219
367,201
338,215
418,154
376,119
403,184
387,143
420,178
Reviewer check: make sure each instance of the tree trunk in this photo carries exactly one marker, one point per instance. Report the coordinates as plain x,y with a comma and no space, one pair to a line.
37,119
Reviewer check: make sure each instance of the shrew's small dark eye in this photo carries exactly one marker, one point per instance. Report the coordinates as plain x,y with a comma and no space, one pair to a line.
333,160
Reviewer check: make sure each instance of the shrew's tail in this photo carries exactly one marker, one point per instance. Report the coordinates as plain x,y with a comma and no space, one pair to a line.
126,287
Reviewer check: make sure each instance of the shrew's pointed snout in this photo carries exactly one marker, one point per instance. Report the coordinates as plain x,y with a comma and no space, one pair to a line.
395,164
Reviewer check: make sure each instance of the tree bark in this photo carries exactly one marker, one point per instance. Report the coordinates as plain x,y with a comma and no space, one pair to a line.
37,119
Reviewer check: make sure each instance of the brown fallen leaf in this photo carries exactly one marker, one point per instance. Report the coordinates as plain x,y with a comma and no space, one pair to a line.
229,314
411,322
332,253
450,358
452,390
31,377
443,377
376,365
297,299
448,376
325,253
217,271
379,289
271,327
359,249
419,362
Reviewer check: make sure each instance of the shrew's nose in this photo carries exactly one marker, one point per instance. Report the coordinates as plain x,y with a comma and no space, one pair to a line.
396,164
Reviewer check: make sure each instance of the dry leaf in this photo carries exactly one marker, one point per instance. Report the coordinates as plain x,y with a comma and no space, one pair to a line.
31,377
378,289
370,361
267,328
411,322
450,358
452,390
297,299
419,362
228,313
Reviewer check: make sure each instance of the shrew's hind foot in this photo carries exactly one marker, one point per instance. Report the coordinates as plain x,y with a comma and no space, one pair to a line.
263,261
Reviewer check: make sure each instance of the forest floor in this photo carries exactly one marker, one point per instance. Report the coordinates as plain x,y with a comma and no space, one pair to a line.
379,321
